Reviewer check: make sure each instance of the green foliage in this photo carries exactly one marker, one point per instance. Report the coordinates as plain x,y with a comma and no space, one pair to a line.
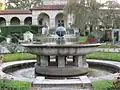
2,38
12,84
23,4
84,12
104,56
18,56
8,30
14,39
102,84
108,46
91,36
41,38
83,39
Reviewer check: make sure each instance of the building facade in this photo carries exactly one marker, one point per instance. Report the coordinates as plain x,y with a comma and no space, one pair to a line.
50,13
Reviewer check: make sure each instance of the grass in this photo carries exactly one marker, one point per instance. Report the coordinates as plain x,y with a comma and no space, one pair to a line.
18,56
13,84
94,55
108,46
104,56
102,85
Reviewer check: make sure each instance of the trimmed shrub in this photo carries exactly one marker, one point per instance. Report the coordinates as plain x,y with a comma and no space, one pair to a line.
8,30
2,38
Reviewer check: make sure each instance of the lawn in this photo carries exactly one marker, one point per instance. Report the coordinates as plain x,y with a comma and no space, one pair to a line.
97,85
104,56
105,85
14,85
94,55
18,56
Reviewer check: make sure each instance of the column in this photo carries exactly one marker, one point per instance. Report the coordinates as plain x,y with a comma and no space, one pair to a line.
52,23
61,61
113,40
80,61
85,64
38,59
21,22
7,23
34,19
75,60
44,61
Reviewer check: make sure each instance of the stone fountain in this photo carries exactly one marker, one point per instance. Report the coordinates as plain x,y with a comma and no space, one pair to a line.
69,59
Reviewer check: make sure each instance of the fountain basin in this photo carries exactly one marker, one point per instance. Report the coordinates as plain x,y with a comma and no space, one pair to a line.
13,69
78,53
52,71
63,50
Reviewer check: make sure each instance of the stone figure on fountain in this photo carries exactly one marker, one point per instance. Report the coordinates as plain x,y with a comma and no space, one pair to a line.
60,31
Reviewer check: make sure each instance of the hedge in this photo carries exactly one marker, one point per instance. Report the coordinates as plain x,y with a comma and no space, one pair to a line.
8,30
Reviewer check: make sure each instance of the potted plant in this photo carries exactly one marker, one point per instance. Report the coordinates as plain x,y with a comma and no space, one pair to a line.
91,39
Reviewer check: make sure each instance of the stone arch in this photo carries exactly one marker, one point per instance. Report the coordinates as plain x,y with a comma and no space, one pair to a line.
59,19
28,21
2,21
15,21
43,19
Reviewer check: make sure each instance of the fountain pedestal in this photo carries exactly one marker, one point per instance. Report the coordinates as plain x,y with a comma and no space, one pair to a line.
61,66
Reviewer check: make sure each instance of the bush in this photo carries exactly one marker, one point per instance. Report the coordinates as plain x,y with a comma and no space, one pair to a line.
2,38
14,39
8,30
91,36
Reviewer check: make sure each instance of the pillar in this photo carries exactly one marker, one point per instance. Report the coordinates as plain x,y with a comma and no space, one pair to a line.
38,59
85,64
80,61
61,61
52,22
21,22
77,60
44,61
7,23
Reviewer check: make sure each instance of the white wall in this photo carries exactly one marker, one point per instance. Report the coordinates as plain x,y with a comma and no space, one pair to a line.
35,13
51,13
21,17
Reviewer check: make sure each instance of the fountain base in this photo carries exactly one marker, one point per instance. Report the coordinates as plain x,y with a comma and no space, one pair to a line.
54,71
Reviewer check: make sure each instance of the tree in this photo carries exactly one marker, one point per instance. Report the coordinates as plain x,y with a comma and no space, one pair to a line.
111,16
23,4
84,12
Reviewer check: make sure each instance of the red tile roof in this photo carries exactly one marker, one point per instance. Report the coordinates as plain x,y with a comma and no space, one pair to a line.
49,7
14,11
42,7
